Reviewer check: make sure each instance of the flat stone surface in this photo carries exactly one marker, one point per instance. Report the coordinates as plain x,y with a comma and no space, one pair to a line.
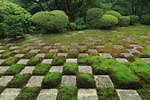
48,94
100,46
118,46
16,51
27,70
10,94
72,60
87,94
121,59
47,61
92,52
103,81
83,54
62,54
30,47
1,51
53,50
47,47
105,55
56,69
126,55
4,80
1,61
40,55
146,59
85,69
35,81
19,55
132,51
3,69
128,94
34,51
23,61
68,80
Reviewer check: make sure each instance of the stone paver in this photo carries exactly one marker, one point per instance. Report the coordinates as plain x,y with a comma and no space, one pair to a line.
68,80
4,80
47,61
56,69
118,46
62,54
72,60
105,55
103,81
1,61
100,46
35,81
132,51
121,59
92,52
53,50
34,51
126,55
48,94
87,94
128,94
83,54
3,69
1,51
19,55
85,69
27,70
47,47
40,55
146,59
23,61
10,94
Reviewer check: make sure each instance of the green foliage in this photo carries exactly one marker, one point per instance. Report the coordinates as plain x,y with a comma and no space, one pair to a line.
51,80
108,21
50,55
92,17
146,52
6,55
85,80
70,69
58,61
72,26
41,69
145,19
28,93
134,19
54,21
124,21
80,23
107,93
73,53
144,93
14,20
19,81
114,13
67,93
10,61
34,61
1,88
14,69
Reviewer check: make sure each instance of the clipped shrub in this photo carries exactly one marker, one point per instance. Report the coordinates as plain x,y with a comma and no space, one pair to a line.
58,61
92,17
85,80
114,13
14,20
134,19
145,19
124,21
70,69
72,26
51,80
108,21
41,69
54,21
80,23
34,61
67,93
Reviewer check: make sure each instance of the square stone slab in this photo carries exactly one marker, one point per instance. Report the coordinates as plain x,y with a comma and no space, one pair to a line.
62,54
4,80
105,55
100,46
126,55
19,55
30,47
34,51
132,51
23,61
72,60
68,80
10,94
121,59
16,51
27,70
128,94
92,52
83,54
2,61
40,55
3,69
35,81
85,69
47,61
1,51
118,46
56,69
47,47
87,94
103,81
53,50
48,94
146,59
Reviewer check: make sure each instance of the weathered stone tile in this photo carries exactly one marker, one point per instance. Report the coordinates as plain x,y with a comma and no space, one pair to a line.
19,55
2,61
27,70
15,51
105,55
121,59
10,94
83,54
72,60
85,69
30,47
48,94
40,55
68,80
146,59
103,81
128,94
47,61
62,54
87,94
1,51
47,47
92,52
56,69
13,47
132,51
53,50
35,81
4,80
41,44
3,69
100,46
34,51
127,55
118,46
23,61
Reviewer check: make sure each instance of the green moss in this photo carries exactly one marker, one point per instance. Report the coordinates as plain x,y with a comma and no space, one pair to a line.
19,81
14,69
6,55
144,93
67,93
85,80
70,69
58,61
73,53
10,61
28,93
1,89
34,61
41,69
146,52
50,55
51,80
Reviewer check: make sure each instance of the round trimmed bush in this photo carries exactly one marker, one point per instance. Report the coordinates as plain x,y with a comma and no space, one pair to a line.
54,21
134,19
145,19
14,20
93,16
72,26
114,13
124,21
108,20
